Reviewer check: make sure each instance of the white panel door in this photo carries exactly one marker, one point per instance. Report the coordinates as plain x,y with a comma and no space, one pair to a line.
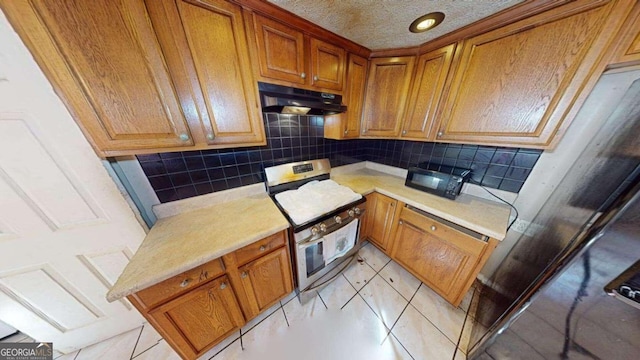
66,232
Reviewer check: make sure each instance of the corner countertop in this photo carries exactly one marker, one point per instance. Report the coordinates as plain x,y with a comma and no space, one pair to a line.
181,242
484,216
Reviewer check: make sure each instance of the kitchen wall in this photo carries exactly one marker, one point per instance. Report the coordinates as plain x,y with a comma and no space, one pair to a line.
180,175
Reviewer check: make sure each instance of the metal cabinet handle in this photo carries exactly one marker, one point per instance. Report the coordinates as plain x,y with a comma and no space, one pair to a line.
440,133
404,132
211,136
243,275
345,132
400,222
223,286
184,137
263,248
185,282
315,78
433,228
303,75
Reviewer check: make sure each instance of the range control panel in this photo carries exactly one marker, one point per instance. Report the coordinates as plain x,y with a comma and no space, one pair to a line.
299,169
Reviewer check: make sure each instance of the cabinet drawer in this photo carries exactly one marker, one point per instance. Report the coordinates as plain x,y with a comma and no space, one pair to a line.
259,248
167,289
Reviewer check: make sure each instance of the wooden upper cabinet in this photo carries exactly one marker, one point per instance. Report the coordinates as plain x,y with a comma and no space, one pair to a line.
280,50
289,57
104,61
386,96
327,65
428,84
628,50
347,124
514,85
207,53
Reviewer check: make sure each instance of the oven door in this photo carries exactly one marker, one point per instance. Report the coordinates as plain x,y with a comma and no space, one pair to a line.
311,265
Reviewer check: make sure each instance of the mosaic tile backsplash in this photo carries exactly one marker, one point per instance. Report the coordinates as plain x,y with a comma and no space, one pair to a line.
181,175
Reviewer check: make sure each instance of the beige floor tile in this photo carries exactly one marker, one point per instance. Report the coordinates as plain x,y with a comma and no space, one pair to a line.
364,320
421,338
70,356
118,347
162,351
222,345
384,300
443,315
256,320
400,279
460,355
337,293
466,301
359,274
232,352
395,349
148,337
374,257
260,336
297,312
289,297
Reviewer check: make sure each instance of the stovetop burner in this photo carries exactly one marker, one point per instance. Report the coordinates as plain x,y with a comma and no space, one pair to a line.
305,194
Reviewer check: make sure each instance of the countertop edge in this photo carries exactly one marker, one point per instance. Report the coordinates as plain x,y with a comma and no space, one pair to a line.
117,295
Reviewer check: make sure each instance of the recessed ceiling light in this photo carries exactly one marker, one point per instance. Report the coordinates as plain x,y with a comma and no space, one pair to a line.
426,22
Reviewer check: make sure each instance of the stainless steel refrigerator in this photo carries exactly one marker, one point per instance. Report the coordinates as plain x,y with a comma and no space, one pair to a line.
567,290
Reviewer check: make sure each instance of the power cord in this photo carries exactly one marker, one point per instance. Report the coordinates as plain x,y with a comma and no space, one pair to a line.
501,199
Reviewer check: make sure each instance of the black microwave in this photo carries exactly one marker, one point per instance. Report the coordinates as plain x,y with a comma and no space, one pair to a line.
446,183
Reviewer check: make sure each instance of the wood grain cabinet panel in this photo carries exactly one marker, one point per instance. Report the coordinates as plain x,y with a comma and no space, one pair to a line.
286,55
280,50
386,96
514,85
104,61
347,124
444,258
267,280
381,212
212,73
628,50
327,65
428,84
198,320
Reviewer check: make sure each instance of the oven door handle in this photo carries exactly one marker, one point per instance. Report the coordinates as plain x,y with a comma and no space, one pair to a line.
311,240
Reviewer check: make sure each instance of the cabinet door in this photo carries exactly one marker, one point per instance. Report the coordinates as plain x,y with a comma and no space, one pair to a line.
441,257
628,52
514,85
212,73
327,65
280,50
386,96
266,280
199,319
105,63
347,124
382,211
426,92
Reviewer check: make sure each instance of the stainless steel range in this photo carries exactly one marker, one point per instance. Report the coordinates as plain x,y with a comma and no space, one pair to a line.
324,217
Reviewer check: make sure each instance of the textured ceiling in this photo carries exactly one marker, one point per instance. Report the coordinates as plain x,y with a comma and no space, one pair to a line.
384,24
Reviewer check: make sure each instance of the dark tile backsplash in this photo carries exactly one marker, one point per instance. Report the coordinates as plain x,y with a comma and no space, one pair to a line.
180,175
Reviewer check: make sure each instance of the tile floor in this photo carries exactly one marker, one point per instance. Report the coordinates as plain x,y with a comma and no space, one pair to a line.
375,310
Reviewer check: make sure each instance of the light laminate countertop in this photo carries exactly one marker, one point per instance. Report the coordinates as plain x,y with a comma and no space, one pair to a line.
199,233
484,216
182,242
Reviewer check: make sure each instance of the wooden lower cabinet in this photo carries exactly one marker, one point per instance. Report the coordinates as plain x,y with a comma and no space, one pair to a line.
267,280
197,309
445,258
198,320
379,219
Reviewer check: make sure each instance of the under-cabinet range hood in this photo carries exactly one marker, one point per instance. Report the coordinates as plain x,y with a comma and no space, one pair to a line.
288,100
